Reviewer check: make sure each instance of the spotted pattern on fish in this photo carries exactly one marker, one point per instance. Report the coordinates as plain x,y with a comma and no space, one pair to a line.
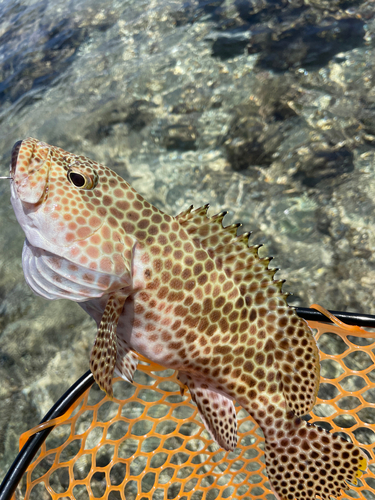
187,293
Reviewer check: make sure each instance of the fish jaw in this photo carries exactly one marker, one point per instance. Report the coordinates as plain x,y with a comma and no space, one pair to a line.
29,169
39,175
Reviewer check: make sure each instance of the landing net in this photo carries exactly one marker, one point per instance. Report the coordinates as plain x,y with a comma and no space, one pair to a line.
149,442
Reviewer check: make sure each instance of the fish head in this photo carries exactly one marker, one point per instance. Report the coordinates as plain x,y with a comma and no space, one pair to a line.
63,203
50,194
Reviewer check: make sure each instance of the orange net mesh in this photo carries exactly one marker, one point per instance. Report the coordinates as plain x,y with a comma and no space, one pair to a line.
149,443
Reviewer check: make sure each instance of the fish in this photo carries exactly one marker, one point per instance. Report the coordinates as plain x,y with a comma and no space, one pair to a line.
187,293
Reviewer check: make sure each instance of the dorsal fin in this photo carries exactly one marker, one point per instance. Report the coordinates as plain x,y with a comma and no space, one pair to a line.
231,252
193,217
208,230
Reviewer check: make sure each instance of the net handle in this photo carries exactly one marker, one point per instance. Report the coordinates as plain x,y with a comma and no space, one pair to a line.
312,314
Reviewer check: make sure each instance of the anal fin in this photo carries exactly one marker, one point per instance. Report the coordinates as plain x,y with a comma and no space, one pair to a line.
104,352
126,362
216,411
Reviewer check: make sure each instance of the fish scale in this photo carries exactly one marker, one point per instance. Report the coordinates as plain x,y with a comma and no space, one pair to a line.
187,293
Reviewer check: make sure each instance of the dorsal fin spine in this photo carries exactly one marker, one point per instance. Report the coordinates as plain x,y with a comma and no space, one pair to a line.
266,260
202,211
232,252
279,284
220,215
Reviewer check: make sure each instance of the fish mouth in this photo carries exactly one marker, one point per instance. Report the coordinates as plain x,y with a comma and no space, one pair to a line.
29,169
13,164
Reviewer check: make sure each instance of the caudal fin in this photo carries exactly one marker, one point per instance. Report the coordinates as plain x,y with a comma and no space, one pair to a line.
304,461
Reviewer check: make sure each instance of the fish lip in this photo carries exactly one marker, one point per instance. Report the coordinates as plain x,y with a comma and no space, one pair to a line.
32,160
13,164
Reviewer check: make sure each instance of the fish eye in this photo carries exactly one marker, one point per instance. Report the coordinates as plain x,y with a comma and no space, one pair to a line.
78,180
82,178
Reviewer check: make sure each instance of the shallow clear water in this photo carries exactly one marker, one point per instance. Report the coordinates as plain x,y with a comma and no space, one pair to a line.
265,108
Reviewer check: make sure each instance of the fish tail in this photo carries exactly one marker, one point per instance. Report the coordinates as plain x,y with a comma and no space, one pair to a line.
304,460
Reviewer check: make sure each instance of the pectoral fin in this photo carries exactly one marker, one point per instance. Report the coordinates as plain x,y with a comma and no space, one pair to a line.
216,411
104,352
126,362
